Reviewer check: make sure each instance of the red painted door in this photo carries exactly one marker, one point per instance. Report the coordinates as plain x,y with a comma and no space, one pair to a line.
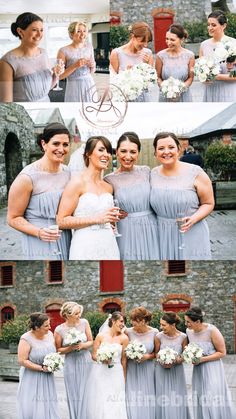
176,307
161,25
7,314
55,318
111,276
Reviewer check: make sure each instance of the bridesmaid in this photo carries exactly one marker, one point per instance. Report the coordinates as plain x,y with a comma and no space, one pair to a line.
140,375
79,64
132,191
223,88
25,72
35,194
36,397
181,196
208,382
77,357
170,380
176,61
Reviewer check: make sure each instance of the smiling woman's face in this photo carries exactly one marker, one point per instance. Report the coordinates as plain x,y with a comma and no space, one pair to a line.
166,151
127,154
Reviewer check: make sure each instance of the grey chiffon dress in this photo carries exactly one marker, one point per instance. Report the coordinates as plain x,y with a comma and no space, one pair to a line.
76,371
175,197
140,388
139,240
36,396
210,390
41,212
218,91
177,67
32,77
170,383
79,84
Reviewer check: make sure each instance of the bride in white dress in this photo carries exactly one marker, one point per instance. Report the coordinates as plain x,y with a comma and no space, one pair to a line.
105,389
87,206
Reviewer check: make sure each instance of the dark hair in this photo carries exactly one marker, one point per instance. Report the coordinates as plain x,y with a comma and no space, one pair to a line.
219,15
23,21
116,315
171,318
141,30
140,313
129,136
231,59
195,314
178,30
37,319
50,130
165,134
91,144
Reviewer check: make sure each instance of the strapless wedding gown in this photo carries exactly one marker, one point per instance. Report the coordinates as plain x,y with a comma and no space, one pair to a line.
105,390
96,242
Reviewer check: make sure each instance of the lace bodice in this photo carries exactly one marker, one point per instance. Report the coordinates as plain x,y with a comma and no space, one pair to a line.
174,342
74,54
147,338
91,204
118,351
175,66
62,329
39,347
184,181
203,339
126,59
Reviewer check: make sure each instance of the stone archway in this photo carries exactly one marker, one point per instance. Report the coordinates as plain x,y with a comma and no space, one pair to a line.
13,158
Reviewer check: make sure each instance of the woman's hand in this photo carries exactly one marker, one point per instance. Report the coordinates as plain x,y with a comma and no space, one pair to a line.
109,216
188,222
122,214
81,62
47,235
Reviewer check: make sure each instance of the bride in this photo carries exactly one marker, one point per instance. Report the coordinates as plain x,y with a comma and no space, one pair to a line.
87,206
105,389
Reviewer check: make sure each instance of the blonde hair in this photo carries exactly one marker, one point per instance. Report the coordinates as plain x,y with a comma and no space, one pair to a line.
72,28
69,308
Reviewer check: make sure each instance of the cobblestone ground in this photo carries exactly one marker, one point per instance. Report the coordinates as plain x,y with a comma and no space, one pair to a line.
222,225
8,390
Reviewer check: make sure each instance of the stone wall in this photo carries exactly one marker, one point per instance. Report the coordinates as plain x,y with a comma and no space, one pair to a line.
212,285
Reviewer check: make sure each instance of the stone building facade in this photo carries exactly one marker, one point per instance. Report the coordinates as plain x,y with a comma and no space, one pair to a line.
155,284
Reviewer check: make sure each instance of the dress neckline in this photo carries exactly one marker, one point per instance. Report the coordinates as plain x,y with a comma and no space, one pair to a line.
97,195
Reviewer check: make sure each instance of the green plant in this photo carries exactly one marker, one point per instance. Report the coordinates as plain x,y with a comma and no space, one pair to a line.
197,31
95,319
220,158
119,35
12,330
231,25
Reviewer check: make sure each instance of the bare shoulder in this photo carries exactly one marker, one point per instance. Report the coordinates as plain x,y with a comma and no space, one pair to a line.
124,338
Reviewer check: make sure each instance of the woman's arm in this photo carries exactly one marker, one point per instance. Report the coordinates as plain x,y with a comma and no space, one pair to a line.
219,344
89,343
157,345
123,355
225,77
71,68
190,78
96,345
6,82
23,357
159,66
200,52
114,61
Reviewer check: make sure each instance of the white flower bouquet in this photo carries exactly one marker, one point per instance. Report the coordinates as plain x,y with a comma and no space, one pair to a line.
106,352
53,361
135,350
74,336
192,353
147,72
225,49
206,69
172,88
167,356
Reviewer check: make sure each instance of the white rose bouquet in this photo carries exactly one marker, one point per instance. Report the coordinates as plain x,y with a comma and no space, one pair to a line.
106,352
147,72
129,84
192,353
167,356
53,361
74,336
135,350
172,88
206,69
225,49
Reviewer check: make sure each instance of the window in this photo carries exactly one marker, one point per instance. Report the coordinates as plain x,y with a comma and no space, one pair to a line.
7,275
176,267
111,276
7,314
176,306
55,273
111,307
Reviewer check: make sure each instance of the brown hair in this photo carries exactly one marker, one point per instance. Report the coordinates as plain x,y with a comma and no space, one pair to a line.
116,315
140,313
37,319
141,30
195,313
165,134
218,15
91,144
23,21
129,136
178,30
50,130
171,318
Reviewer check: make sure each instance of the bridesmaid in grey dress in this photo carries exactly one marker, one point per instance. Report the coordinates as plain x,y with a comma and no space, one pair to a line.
36,397
35,194
182,197
131,185
77,356
223,88
176,61
25,72
140,391
209,386
79,64
170,380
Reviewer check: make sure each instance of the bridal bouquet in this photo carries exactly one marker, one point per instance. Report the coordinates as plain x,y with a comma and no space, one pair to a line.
106,352
225,49
192,353
206,69
74,336
172,88
53,362
167,356
135,350
147,72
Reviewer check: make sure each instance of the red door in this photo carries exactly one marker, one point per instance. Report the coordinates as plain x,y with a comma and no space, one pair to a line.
111,276
161,25
7,314
55,318
176,307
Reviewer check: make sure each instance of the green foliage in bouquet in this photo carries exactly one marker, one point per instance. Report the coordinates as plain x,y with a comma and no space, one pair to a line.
119,35
95,319
12,330
220,158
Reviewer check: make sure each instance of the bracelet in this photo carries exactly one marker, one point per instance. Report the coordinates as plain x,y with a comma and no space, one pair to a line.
38,235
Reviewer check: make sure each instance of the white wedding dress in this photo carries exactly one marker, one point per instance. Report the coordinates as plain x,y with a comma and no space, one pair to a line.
104,396
96,242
